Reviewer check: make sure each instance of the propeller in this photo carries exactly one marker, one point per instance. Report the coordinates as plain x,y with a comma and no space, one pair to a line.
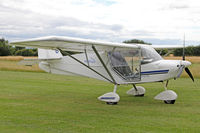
184,64
189,73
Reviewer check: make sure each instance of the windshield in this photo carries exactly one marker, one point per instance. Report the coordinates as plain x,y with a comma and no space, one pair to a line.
149,54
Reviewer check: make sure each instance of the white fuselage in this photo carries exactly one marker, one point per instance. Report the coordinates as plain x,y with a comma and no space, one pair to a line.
151,72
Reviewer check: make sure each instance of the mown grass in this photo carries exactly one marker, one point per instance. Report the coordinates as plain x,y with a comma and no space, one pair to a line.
11,63
8,65
41,102
15,58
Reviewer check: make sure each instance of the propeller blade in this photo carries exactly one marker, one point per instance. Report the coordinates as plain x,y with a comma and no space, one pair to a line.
180,71
189,73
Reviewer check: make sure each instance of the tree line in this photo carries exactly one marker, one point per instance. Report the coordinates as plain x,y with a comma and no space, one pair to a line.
6,50
189,51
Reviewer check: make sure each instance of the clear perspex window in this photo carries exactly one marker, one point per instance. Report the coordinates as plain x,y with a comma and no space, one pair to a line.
126,63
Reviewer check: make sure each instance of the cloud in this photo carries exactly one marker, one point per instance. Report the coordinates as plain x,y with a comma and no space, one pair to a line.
105,2
178,6
22,25
108,20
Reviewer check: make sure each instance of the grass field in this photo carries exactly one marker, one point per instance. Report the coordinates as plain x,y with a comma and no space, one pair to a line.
42,102
10,63
33,102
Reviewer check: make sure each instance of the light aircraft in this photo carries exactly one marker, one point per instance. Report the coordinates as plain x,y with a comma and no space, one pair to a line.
117,63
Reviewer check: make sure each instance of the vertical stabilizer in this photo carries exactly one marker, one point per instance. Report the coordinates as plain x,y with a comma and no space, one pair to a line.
49,54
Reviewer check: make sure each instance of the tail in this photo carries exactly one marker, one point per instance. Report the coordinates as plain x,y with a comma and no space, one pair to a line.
49,54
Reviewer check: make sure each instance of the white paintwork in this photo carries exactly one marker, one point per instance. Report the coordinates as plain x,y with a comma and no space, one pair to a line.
185,63
166,95
140,91
167,46
68,65
109,97
151,69
49,54
70,44
170,65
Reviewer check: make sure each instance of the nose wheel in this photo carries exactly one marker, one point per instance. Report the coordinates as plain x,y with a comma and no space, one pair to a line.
168,96
169,101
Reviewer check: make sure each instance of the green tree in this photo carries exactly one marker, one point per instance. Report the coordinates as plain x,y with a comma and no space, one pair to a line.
5,49
189,51
26,52
197,51
136,41
178,52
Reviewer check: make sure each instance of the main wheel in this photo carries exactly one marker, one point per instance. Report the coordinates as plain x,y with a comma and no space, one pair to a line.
111,103
141,95
169,101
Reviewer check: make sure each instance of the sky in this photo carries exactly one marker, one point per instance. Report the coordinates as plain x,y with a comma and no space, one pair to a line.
154,21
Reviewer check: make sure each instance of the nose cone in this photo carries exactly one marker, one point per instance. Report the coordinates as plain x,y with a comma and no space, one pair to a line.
186,63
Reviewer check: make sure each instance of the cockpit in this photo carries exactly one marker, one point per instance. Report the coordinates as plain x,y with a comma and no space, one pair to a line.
127,63
149,54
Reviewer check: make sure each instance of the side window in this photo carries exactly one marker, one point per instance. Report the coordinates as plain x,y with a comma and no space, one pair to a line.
126,63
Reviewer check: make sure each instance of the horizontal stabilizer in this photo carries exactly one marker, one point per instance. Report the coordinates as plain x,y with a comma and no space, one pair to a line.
30,62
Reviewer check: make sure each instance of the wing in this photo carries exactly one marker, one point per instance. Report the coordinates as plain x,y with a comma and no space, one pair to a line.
71,44
166,46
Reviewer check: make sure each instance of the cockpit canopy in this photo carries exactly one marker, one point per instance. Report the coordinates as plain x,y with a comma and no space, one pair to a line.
127,63
149,54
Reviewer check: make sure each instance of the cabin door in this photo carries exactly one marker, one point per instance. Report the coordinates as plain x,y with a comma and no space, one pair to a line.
126,63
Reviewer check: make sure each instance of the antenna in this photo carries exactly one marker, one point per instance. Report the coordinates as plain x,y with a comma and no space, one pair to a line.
184,47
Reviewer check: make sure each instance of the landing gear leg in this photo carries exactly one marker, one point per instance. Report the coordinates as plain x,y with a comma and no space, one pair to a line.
115,88
111,98
136,91
139,91
165,85
168,96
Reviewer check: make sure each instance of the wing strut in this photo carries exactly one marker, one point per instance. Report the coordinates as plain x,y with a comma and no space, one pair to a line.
86,57
100,59
87,66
